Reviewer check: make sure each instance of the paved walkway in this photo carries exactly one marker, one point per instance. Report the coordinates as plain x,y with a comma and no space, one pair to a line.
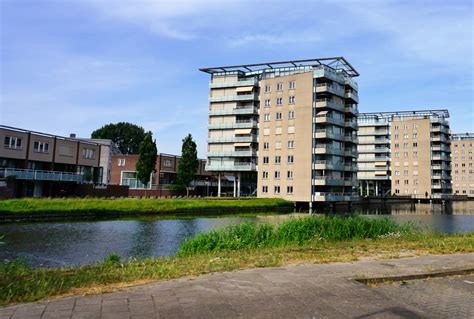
299,291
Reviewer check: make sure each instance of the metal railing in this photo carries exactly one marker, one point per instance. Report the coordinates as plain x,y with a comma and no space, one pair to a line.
41,175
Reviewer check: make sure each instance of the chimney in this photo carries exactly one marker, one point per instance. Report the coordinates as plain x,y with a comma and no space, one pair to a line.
72,135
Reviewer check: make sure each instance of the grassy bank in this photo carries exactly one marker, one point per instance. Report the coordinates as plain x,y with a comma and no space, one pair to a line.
316,240
135,205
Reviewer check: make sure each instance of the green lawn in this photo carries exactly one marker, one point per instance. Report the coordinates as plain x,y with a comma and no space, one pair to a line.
148,205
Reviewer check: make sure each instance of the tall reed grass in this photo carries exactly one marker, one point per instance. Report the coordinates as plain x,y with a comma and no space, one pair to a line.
291,231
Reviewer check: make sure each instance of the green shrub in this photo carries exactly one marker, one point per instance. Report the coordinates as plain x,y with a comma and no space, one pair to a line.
291,231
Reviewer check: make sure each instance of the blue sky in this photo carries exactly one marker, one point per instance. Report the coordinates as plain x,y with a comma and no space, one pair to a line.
73,66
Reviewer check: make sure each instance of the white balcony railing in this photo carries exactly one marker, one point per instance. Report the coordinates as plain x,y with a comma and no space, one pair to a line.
41,175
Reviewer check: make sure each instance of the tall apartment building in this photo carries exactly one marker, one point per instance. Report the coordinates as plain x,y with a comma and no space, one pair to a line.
405,153
462,163
293,122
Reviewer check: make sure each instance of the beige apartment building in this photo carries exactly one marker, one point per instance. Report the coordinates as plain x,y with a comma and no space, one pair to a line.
298,132
462,163
405,153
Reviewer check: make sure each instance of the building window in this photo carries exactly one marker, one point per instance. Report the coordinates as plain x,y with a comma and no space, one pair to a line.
405,173
267,88
415,144
88,153
415,154
41,147
266,131
405,136
397,154
266,145
395,136
289,174
278,116
415,135
267,103
397,173
265,189
278,145
277,189
405,126
130,179
279,101
405,154
290,159
291,144
167,163
405,145
406,182
277,175
291,99
291,114
397,145
264,175
415,126
277,159
13,142
396,127
397,182
266,117
292,85
289,189
278,130
265,160
121,162
279,86
291,129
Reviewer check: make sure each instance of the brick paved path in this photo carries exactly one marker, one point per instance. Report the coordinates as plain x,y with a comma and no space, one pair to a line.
299,291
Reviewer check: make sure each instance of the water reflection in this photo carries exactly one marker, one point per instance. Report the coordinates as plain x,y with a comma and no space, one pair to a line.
74,243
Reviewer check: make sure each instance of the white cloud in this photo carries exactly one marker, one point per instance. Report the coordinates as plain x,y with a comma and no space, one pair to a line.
170,18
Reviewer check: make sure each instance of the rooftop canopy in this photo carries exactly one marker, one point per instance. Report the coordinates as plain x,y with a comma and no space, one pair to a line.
440,113
337,63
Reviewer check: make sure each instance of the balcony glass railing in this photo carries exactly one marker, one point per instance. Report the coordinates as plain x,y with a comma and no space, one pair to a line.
232,139
232,83
227,98
40,175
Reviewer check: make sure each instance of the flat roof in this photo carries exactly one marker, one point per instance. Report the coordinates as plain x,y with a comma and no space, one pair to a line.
337,63
442,113
75,139
462,136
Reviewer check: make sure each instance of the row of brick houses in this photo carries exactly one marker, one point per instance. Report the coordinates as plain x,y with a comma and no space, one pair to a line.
36,164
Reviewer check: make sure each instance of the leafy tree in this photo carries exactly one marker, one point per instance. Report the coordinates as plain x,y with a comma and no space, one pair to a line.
188,163
147,159
126,136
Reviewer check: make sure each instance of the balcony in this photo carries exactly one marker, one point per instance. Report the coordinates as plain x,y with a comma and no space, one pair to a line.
326,119
235,111
329,135
379,141
440,176
351,124
237,124
38,175
242,167
327,149
327,87
352,95
216,85
327,180
439,157
440,128
231,98
334,197
351,108
375,132
351,138
328,73
232,139
439,138
350,153
441,148
327,103
248,153
328,165
441,167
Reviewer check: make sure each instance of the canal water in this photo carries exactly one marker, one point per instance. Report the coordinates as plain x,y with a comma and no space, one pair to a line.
56,244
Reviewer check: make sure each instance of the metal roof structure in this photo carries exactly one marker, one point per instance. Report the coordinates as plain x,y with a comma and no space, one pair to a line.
441,113
337,63
462,136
